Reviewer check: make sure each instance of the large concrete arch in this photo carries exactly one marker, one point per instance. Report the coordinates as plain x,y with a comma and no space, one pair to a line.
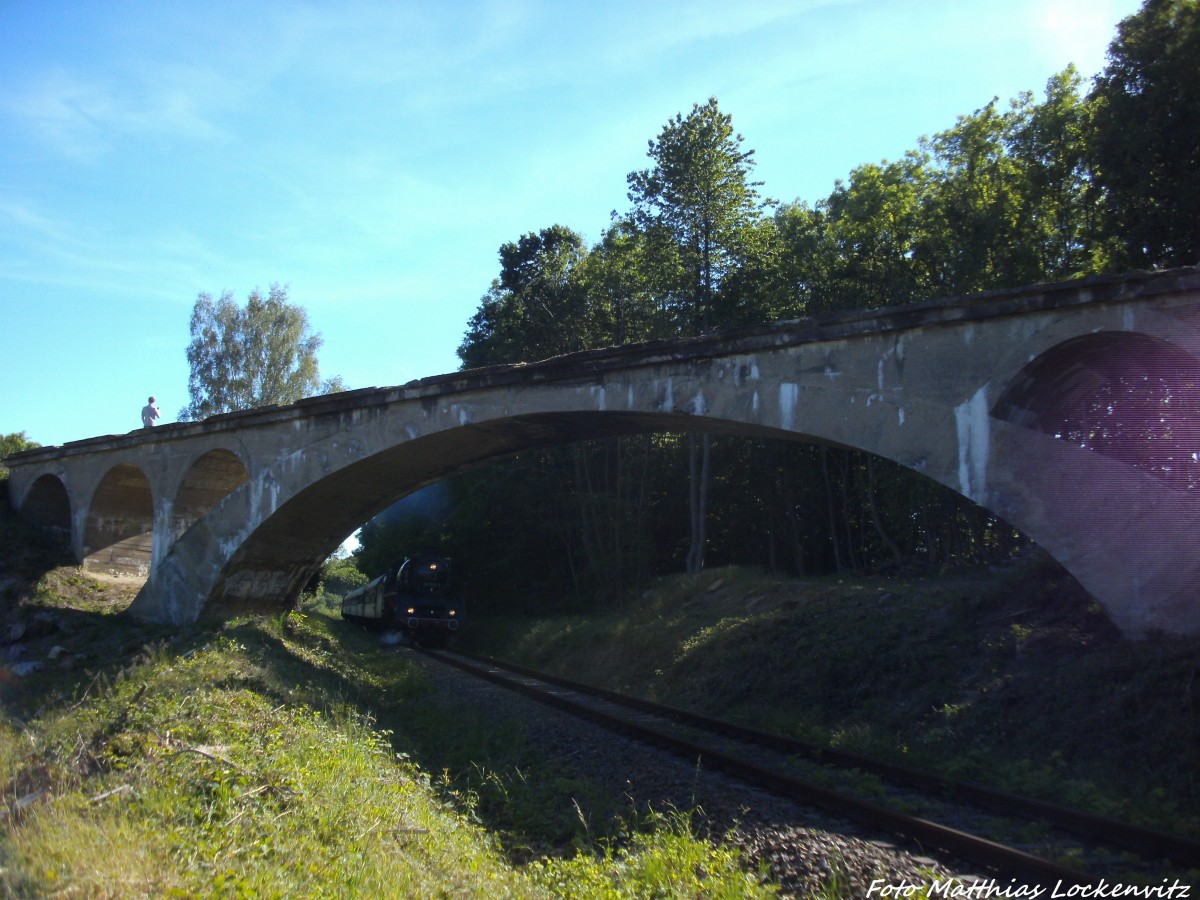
283,537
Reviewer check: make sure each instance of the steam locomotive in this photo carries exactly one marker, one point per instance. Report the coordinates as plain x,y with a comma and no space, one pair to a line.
415,597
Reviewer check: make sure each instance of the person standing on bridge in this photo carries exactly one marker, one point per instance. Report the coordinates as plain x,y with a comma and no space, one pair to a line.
149,414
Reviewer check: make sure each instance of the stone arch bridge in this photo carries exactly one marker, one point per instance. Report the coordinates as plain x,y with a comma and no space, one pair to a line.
239,511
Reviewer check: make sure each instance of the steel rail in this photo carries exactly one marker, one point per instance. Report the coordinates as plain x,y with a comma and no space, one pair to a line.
1148,842
1005,861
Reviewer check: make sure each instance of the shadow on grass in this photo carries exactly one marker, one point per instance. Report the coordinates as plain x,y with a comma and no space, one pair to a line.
483,766
65,655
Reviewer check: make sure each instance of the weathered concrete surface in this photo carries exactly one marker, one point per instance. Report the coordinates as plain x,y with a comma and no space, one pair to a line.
246,506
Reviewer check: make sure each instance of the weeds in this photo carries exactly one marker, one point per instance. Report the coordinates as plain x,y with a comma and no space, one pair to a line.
667,861
183,776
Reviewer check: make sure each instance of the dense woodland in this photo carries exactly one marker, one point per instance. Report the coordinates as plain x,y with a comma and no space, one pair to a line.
1083,180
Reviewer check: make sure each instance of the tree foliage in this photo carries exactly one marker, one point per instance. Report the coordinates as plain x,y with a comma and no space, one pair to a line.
536,308
339,576
699,197
877,245
1060,210
1145,141
262,354
14,443
627,287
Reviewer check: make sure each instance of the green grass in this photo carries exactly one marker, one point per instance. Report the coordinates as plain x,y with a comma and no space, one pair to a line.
208,773
293,756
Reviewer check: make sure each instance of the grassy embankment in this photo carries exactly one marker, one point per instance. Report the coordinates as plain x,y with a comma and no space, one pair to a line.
284,757
296,756
1012,678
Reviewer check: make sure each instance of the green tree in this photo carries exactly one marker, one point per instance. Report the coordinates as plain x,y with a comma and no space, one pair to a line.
1059,218
1000,199
1010,200
699,194
801,279
1145,142
972,227
536,308
262,354
875,221
625,287
14,443
699,198
341,575
755,292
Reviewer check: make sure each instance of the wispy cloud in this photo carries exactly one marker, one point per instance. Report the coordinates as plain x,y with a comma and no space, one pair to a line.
36,248
65,112
84,116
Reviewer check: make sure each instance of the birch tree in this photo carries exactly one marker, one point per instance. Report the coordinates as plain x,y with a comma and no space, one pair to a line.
262,354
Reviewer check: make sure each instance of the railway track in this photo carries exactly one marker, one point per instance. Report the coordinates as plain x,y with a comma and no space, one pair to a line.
951,817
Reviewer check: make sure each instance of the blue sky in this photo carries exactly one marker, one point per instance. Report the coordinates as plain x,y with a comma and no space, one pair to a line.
374,156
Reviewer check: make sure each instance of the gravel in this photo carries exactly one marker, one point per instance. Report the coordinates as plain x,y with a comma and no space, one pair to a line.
806,850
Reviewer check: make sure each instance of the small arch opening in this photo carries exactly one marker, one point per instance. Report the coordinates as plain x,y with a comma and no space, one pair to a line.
119,536
211,478
48,505
1126,395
